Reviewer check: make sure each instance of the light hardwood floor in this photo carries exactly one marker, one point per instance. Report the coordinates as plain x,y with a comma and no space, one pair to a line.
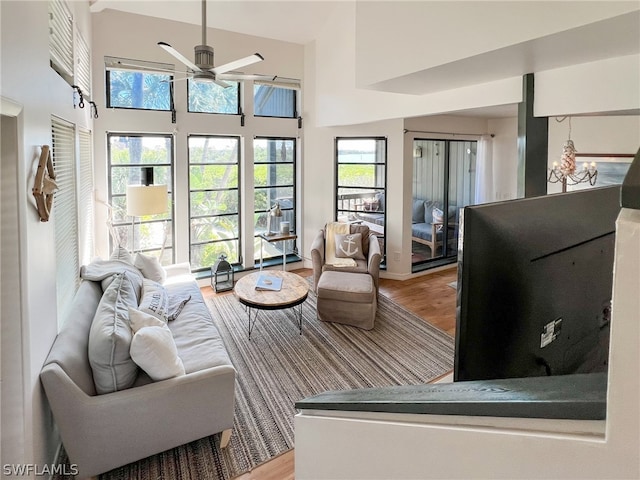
429,296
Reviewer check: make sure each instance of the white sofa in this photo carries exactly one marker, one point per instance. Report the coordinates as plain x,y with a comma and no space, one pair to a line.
103,431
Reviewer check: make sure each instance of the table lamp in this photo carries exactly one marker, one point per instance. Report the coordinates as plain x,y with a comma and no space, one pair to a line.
273,213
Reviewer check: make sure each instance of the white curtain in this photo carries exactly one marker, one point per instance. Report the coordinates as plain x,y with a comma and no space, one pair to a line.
484,170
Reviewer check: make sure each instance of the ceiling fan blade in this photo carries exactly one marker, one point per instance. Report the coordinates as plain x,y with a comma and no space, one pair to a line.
222,83
179,56
242,62
173,80
245,76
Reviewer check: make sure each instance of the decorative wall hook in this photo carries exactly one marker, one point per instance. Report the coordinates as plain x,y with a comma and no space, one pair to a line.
81,97
94,109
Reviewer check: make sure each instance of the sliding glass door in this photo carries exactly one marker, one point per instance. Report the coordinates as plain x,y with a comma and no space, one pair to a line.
443,183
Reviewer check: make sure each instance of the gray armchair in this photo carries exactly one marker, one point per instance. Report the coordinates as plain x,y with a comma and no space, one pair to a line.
371,250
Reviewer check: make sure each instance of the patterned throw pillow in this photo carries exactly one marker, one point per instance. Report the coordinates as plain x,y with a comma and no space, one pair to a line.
349,245
155,300
438,217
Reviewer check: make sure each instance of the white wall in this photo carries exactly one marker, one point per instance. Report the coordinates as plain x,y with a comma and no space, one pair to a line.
399,38
137,38
570,90
593,134
28,80
505,157
340,102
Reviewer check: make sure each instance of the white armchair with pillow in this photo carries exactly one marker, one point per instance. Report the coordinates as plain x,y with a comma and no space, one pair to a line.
326,255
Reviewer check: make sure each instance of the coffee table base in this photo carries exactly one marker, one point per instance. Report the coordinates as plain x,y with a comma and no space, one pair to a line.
253,312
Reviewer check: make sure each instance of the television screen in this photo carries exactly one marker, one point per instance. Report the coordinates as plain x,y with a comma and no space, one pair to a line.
534,285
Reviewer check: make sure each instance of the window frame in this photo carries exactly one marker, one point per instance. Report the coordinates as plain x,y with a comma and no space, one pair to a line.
170,188
338,186
108,71
238,93
268,84
289,244
239,238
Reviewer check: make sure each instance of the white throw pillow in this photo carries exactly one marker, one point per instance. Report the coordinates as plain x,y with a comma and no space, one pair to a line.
155,299
150,267
121,253
153,348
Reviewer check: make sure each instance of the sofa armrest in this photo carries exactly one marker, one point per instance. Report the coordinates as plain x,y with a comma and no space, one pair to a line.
317,258
374,259
165,414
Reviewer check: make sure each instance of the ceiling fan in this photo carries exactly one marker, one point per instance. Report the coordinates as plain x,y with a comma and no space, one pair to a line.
203,68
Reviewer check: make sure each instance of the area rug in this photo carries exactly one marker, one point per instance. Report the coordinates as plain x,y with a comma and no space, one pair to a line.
279,366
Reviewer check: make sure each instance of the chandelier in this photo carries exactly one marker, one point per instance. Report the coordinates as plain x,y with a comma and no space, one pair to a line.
567,172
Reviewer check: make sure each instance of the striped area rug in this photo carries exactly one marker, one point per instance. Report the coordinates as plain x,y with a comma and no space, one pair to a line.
278,366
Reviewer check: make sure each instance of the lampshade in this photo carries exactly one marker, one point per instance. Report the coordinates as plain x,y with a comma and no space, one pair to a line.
146,200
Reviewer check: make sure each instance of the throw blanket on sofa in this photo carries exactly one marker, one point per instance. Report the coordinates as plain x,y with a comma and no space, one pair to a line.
338,228
99,270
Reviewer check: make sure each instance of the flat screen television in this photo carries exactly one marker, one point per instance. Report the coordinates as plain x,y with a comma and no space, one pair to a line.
535,280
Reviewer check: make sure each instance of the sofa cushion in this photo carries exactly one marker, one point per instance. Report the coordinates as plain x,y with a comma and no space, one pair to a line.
423,231
110,338
150,267
197,339
155,300
417,211
349,246
153,348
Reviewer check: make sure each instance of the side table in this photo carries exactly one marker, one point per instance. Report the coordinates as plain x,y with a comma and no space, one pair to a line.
277,237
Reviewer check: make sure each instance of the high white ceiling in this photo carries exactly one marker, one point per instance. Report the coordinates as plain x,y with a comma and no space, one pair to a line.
289,21
300,21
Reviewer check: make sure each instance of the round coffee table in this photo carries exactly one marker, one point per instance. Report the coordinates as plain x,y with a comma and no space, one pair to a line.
292,294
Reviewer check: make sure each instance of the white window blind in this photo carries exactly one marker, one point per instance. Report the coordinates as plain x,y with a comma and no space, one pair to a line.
83,65
65,214
86,198
61,37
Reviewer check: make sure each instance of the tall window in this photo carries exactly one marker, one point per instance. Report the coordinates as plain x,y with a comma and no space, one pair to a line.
65,214
214,199
208,97
274,173
152,234
361,183
138,84
273,101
